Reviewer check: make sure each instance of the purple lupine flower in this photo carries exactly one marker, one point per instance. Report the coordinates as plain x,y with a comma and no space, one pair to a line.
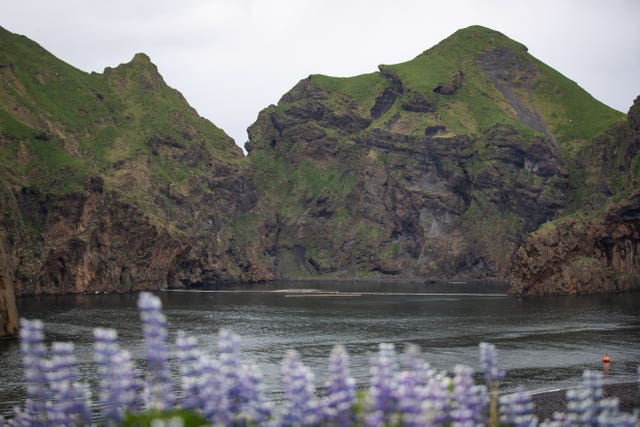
212,397
188,355
583,403
413,361
580,407
492,375
489,363
469,400
436,406
517,410
119,385
301,407
340,390
410,395
609,411
382,383
158,387
231,368
610,415
421,393
70,397
374,419
21,418
592,381
34,354
256,410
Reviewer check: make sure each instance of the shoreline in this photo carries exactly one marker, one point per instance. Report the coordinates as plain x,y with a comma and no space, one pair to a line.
548,402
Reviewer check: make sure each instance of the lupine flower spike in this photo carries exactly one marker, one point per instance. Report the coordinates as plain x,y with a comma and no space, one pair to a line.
34,353
120,384
517,410
382,401
301,406
158,387
187,354
212,398
69,396
340,390
231,368
470,401
492,376
257,410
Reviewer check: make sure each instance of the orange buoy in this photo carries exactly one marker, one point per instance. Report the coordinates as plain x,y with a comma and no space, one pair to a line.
606,359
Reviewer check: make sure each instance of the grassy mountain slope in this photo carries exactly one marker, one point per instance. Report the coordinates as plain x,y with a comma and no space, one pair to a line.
93,121
94,161
435,167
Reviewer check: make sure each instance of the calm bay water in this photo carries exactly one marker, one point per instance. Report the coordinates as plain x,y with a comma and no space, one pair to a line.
543,343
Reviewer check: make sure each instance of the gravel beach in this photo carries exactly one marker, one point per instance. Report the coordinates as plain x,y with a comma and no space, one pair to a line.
554,401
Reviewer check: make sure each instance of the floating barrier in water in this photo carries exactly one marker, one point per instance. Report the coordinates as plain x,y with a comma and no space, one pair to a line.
322,295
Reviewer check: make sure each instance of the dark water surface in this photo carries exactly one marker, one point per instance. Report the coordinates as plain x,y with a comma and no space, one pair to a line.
543,343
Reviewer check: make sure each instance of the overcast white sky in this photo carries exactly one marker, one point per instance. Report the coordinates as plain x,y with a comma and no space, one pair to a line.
231,58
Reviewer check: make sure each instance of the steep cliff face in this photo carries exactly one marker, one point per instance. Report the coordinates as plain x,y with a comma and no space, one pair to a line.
593,250
118,183
93,242
582,255
437,167
8,311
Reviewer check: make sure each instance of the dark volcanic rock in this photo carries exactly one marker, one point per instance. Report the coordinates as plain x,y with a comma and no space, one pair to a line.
451,87
8,236
634,115
93,243
504,186
384,102
417,103
8,310
582,255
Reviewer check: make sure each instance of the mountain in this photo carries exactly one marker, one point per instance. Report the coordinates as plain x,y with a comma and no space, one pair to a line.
111,181
433,168
440,167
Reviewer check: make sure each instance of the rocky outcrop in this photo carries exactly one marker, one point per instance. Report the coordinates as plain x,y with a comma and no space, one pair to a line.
608,163
451,87
96,241
8,310
582,255
594,250
93,242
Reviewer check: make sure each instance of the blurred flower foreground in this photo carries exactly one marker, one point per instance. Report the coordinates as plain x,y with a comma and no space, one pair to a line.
228,391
